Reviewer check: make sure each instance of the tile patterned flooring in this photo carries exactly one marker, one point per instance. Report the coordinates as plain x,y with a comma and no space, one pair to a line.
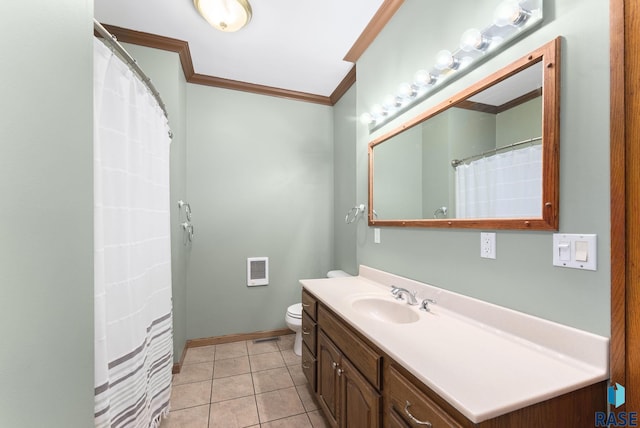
243,384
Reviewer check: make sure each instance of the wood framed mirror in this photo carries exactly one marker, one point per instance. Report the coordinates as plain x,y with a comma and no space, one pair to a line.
487,158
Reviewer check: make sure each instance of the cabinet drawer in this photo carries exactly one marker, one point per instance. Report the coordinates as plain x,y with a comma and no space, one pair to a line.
309,305
368,362
309,366
395,420
309,330
405,398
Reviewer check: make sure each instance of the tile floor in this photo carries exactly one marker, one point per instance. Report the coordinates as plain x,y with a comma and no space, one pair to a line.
243,384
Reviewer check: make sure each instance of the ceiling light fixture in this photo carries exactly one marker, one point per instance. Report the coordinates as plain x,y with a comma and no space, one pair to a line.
512,19
225,15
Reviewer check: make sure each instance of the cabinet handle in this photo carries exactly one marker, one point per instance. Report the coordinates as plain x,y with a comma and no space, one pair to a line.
305,331
340,371
305,305
334,365
413,418
305,365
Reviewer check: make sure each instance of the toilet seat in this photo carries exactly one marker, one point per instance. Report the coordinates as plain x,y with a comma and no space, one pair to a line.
295,311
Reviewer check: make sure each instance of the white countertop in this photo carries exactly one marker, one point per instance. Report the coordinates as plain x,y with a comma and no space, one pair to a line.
485,360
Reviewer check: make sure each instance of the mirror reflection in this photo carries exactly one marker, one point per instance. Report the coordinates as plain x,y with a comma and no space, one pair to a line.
481,156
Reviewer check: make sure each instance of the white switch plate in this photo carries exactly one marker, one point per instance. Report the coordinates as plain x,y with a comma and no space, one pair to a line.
488,245
566,250
376,235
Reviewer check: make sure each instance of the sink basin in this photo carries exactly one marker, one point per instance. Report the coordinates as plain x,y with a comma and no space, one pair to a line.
385,310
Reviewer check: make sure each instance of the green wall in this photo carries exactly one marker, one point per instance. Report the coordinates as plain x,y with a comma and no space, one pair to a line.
527,118
522,277
344,183
46,214
398,176
258,173
165,71
260,182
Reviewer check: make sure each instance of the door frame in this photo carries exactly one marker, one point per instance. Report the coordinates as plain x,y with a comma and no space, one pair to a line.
624,21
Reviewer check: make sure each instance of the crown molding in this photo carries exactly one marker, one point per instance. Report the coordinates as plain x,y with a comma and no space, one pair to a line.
158,42
377,23
203,79
343,86
181,47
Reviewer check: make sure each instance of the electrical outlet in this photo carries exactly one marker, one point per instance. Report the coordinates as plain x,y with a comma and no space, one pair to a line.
488,245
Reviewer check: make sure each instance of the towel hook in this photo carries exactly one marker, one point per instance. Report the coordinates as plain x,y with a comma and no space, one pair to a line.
353,213
187,227
187,208
441,210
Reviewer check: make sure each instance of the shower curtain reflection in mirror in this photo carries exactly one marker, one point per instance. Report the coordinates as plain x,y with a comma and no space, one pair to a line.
132,258
502,185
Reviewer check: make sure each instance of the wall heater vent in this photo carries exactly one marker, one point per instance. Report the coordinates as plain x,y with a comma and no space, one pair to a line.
257,271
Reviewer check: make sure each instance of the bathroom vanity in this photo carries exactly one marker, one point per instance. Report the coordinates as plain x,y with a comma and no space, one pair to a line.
374,361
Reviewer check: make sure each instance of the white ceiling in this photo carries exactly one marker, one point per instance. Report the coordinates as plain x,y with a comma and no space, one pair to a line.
296,45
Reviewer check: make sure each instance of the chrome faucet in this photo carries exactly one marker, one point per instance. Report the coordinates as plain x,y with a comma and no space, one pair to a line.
424,306
399,293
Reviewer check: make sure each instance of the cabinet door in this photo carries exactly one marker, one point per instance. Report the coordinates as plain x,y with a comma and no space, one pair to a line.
328,362
360,402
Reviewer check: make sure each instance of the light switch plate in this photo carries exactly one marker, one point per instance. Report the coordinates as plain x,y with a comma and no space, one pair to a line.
576,251
376,235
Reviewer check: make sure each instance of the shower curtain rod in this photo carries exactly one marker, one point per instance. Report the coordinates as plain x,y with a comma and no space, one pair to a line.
111,40
457,162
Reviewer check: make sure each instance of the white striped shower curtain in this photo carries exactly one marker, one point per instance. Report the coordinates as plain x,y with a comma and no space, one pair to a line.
132,279
503,185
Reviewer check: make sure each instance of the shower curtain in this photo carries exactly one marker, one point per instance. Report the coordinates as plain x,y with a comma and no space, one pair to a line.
132,279
503,185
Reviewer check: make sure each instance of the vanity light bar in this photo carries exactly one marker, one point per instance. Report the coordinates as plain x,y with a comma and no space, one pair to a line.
511,19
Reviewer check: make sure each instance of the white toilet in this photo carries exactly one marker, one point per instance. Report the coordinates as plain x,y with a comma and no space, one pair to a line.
293,319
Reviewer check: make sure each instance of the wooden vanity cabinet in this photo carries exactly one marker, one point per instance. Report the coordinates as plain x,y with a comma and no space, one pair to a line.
348,375
347,398
407,406
572,410
309,338
359,386
309,304
329,358
361,402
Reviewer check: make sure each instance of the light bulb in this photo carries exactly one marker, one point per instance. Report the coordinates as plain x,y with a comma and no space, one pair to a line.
378,110
366,119
445,60
424,78
406,91
473,39
391,102
509,12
